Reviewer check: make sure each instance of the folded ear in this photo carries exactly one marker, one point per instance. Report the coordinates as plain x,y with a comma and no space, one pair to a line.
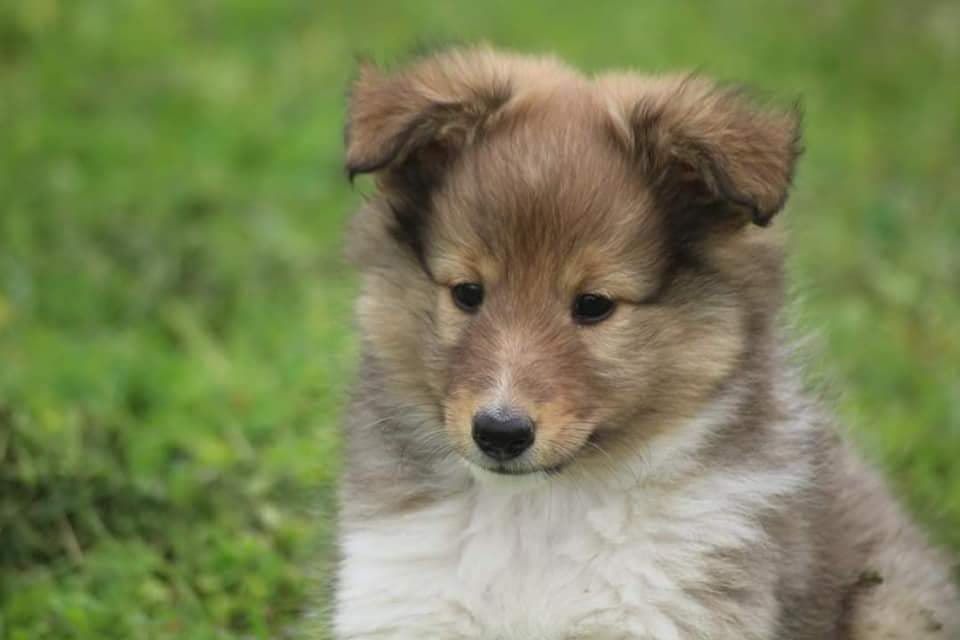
424,113
713,156
408,127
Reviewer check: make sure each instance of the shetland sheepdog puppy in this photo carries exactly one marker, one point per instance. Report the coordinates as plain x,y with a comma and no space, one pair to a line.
576,415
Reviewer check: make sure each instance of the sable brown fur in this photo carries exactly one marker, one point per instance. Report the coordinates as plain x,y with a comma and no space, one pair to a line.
659,192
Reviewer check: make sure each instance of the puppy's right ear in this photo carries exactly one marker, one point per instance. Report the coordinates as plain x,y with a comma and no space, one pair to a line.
413,122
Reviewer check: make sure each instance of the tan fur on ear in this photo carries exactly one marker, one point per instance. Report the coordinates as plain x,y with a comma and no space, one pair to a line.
704,145
440,100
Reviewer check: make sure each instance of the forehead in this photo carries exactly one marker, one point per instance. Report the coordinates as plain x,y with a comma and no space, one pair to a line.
549,187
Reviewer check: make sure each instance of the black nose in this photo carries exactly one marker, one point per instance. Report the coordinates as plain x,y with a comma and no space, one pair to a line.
501,433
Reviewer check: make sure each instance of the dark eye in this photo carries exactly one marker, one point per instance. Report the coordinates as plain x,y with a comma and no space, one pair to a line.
590,308
468,296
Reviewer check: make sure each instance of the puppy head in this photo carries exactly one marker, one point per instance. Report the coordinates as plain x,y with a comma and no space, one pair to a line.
557,267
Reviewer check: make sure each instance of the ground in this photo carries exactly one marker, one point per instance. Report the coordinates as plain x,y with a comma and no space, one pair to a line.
175,334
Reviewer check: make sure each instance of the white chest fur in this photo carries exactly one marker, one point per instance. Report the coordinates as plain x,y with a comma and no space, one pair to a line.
555,562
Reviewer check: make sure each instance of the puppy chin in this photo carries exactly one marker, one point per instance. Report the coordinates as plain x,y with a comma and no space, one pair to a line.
512,475
507,480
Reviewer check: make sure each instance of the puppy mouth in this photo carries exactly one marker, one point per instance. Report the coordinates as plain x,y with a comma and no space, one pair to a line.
550,471
519,469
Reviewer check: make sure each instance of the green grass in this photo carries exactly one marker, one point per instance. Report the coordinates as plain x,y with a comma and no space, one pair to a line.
175,317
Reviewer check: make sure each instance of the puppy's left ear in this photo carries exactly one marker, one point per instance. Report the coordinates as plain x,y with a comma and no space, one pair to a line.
714,157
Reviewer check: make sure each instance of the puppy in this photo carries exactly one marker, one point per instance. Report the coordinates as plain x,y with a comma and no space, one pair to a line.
576,414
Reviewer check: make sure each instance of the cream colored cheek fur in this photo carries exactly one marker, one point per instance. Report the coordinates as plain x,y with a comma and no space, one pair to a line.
563,560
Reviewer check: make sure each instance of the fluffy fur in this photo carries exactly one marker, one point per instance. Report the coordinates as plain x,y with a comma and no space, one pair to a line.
681,484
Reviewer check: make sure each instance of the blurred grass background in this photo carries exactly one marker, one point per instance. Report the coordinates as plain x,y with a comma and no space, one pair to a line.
174,313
